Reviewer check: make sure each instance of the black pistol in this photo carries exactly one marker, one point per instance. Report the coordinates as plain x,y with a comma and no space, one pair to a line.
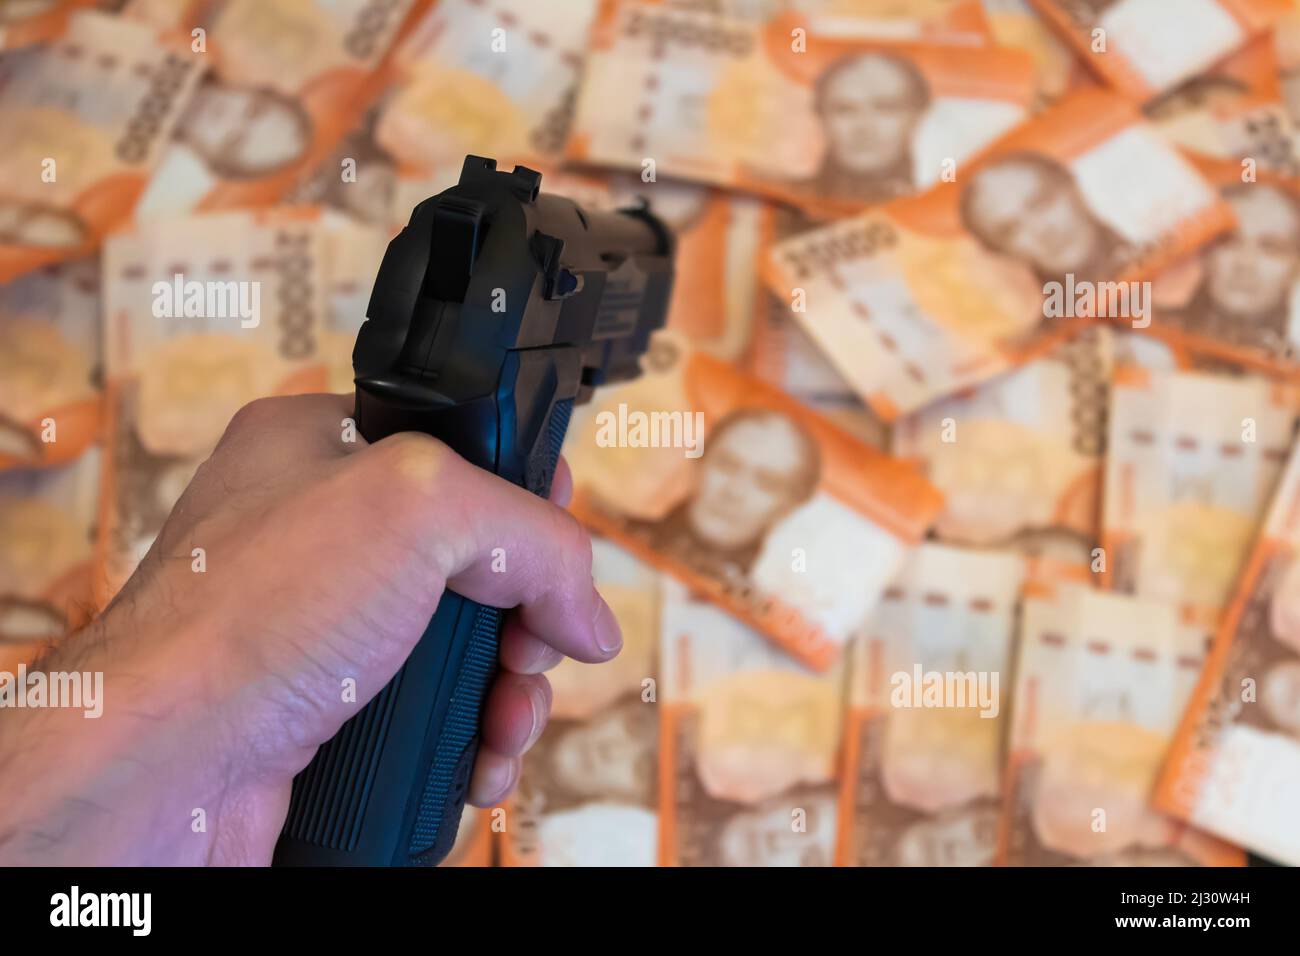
494,310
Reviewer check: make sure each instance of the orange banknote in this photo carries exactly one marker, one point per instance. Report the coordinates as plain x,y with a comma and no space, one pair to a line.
1236,111
1019,458
287,81
1144,47
781,352
926,711
1234,769
1101,680
1237,299
752,499
830,122
202,315
85,118
587,795
749,745
50,364
1192,462
486,77
1053,227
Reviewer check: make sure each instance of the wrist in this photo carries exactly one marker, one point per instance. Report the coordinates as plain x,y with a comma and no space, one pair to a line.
76,787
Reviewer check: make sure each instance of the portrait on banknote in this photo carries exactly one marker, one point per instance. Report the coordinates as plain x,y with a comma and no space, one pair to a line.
39,225
1029,208
868,107
1237,299
757,467
1270,658
588,789
243,132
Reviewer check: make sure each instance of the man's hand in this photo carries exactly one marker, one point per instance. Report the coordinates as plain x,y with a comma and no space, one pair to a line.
323,561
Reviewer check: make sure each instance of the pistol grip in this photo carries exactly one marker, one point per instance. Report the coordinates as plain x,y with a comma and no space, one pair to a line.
390,787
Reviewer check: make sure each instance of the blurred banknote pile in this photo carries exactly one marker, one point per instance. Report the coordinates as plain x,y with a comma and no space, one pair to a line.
955,518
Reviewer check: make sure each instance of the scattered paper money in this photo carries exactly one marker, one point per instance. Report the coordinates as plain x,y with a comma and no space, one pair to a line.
289,80
1057,225
87,116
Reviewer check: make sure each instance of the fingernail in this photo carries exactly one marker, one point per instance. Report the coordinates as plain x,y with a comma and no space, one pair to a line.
544,658
608,636
500,777
539,704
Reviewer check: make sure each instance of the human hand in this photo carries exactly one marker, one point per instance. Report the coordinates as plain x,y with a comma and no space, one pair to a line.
323,560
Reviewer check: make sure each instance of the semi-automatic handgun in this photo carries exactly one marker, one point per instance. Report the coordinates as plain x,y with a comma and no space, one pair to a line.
495,309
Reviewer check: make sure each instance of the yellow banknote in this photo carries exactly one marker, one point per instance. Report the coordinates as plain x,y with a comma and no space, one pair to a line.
929,695
1234,768
1192,463
587,795
202,315
85,118
1101,680
50,364
1058,224
1019,458
749,741
833,122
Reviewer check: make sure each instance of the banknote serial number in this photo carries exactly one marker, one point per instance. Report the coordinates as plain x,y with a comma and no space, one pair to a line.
1194,898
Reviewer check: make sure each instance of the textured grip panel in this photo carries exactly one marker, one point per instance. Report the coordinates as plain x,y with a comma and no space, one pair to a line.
328,800
541,464
443,799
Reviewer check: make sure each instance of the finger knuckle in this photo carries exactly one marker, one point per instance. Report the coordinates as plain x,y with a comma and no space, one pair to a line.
252,415
409,463
573,544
